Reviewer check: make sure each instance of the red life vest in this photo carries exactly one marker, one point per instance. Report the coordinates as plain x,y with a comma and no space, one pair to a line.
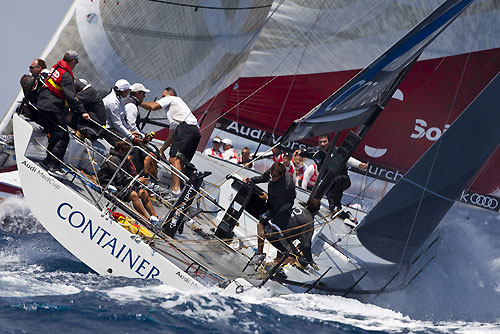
235,156
314,177
291,169
218,155
279,158
55,76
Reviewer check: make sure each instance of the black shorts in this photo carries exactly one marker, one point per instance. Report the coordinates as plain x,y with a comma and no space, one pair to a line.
185,142
124,194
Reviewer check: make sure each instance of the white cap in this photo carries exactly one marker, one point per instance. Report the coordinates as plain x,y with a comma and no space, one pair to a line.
138,87
217,139
227,141
122,85
84,82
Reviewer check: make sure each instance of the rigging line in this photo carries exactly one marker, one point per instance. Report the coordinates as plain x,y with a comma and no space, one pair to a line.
234,61
432,165
309,32
368,11
244,239
236,105
282,61
438,115
196,7
320,224
428,79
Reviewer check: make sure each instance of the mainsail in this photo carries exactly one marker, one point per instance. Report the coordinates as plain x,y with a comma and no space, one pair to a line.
196,48
398,226
370,90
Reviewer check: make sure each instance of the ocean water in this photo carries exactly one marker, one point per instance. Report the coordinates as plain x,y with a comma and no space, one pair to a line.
44,289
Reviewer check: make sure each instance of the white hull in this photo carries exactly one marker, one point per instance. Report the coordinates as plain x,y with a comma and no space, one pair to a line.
101,243
96,239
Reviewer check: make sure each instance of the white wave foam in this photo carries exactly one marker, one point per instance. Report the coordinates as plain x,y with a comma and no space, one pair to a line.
14,285
214,305
205,304
16,217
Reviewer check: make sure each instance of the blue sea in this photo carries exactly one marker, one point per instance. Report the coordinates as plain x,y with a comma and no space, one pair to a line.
44,289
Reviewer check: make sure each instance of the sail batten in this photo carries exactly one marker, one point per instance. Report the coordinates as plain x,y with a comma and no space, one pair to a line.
399,225
371,87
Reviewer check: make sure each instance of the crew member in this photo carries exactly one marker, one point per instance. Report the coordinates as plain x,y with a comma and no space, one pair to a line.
300,167
39,71
215,149
115,115
132,103
184,134
246,159
342,181
229,153
310,177
290,167
277,155
279,200
37,67
94,106
143,162
300,227
58,93
32,86
123,178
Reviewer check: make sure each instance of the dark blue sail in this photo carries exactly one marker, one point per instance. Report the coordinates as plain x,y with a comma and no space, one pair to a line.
355,102
403,220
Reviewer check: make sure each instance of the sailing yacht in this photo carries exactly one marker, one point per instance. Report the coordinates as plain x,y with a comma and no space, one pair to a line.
207,234
262,64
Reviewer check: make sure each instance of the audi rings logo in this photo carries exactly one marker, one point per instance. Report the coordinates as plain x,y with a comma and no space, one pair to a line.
480,200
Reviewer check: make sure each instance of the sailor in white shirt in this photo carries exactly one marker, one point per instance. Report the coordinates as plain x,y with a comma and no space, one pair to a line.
229,152
115,114
184,134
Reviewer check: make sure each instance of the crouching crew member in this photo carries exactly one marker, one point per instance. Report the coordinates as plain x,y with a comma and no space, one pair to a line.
300,227
125,191
279,200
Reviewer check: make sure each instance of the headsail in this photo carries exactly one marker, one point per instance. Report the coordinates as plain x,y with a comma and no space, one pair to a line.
362,96
401,222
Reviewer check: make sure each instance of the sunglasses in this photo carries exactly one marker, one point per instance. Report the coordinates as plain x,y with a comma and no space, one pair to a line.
32,67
